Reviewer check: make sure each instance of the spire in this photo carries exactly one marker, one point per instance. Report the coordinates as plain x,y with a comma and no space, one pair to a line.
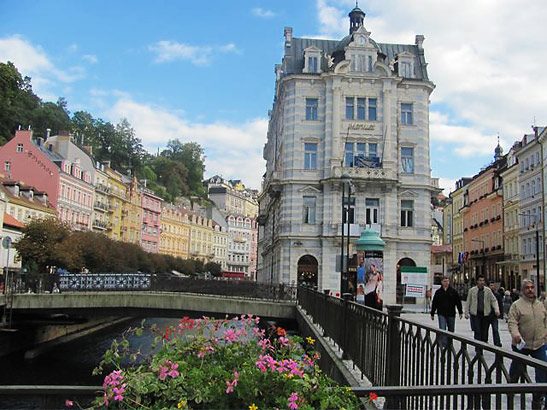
498,152
356,17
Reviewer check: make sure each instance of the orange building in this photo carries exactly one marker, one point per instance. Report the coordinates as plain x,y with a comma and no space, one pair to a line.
483,221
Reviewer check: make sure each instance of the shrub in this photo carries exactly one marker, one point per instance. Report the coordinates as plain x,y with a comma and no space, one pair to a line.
222,364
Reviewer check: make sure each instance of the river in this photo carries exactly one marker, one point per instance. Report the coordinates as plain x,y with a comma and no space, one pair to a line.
68,364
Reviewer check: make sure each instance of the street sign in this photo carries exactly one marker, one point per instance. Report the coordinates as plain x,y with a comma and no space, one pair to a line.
6,242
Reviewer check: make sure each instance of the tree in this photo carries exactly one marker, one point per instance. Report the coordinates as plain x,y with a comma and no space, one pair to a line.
17,101
46,242
192,156
214,268
50,115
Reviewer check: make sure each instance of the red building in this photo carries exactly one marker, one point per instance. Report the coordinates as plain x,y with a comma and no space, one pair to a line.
150,221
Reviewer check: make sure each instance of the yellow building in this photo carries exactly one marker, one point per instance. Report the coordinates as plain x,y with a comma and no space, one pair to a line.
201,237
117,199
220,246
131,212
101,206
458,246
175,231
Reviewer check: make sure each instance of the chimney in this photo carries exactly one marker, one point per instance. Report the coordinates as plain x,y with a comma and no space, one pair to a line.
288,36
48,133
420,41
40,141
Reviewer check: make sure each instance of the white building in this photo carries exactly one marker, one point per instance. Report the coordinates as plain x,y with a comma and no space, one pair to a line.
352,106
530,212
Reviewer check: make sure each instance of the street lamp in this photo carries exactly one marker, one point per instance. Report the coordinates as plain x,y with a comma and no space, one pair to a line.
483,255
346,202
538,285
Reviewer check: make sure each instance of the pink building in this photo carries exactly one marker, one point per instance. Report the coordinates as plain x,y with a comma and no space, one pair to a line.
69,188
150,221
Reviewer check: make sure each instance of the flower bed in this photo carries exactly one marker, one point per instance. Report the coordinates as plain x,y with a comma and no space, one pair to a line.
220,364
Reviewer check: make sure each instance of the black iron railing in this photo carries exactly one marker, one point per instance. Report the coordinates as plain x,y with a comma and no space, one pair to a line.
392,351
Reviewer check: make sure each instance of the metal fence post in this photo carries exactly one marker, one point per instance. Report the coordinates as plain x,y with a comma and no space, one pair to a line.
393,362
347,298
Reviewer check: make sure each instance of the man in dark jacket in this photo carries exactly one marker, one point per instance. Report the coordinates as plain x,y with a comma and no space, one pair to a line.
445,302
493,317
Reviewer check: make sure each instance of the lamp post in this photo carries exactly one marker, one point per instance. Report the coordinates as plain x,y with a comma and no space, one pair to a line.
346,180
483,255
538,284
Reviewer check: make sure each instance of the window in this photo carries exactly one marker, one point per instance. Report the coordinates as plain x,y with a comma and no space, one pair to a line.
310,155
361,105
7,166
407,160
19,147
308,217
372,209
312,64
372,149
407,210
349,108
406,114
404,70
369,63
311,109
353,150
372,109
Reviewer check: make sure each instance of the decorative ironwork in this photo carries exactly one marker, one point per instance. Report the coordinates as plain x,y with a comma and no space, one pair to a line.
104,281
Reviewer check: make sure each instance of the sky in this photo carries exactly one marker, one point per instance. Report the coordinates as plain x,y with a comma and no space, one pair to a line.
204,71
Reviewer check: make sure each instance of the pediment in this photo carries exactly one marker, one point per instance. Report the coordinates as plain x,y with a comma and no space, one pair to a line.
312,49
408,194
405,54
310,190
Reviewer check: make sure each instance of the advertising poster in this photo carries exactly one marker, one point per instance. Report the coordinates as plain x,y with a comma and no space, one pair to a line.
374,279
360,293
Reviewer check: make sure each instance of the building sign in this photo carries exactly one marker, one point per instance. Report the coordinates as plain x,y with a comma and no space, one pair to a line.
360,126
415,291
415,275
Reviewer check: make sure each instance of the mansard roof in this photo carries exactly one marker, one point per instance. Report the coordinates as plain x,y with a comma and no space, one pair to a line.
294,53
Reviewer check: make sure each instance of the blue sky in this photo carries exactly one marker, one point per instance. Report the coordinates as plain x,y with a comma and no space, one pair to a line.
203,71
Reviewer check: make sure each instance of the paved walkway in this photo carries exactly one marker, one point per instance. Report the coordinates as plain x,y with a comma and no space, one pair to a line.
463,327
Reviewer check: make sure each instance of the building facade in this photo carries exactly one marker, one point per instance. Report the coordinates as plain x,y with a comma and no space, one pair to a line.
355,107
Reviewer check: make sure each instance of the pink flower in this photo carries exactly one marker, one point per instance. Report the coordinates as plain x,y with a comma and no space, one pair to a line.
284,341
68,403
173,371
163,372
230,336
293,398
231,385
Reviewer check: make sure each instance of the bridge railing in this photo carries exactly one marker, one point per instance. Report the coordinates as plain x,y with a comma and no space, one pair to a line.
392,351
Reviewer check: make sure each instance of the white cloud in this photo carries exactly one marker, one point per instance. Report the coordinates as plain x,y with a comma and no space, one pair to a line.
90,58
484,57
232,150
167,51
31,60
447,185
263,13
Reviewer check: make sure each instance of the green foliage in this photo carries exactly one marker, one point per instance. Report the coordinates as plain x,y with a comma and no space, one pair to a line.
214,268
220,364
49,242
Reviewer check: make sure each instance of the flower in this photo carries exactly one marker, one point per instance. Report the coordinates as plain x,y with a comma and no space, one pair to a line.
182,404
253,407
284,341
372,397
310,340
293,398
281,331
68,403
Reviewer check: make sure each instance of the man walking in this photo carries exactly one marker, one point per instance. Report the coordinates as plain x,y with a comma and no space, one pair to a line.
480,302
445,302
527,322
493,317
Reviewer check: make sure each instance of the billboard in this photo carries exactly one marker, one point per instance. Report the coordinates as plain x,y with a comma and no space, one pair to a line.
370,278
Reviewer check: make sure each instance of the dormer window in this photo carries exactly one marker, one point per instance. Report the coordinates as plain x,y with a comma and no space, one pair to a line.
405,63
361,52
312,60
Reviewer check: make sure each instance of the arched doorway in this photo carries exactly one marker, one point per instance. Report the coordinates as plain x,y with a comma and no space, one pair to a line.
307,270
400,286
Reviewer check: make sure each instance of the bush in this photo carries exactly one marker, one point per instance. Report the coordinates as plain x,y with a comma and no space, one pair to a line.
221,364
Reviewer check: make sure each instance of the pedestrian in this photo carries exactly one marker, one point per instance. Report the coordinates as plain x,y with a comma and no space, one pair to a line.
514,295
506,303
527,325
445,301
493,318
480,302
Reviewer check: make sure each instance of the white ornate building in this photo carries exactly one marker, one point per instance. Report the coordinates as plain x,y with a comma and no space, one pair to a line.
352,106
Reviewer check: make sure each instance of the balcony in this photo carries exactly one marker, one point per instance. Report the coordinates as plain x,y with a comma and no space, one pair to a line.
100,206
102,188
100,225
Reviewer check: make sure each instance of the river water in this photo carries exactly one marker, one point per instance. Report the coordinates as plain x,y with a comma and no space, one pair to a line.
68,364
